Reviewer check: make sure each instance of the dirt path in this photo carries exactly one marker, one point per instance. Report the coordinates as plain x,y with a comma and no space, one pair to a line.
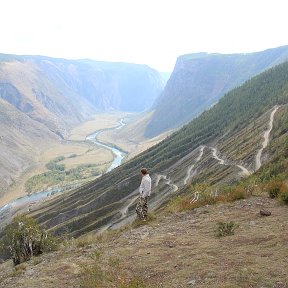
266,139
123,220
193,165
168,182
158,178
214,153
244,171
124,210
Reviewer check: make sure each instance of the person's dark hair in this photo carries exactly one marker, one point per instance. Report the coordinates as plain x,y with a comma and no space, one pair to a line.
144,171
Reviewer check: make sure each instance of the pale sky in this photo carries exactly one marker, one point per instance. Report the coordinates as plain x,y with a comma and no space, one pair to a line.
153,32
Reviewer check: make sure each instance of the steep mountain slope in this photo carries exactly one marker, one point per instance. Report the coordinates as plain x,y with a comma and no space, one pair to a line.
18,136
47,97
208,142
61,92
199,80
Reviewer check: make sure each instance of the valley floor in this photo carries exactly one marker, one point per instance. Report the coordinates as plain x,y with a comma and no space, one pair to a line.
176,250
85,153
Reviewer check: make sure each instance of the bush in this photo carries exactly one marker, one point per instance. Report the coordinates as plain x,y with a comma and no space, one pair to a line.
284,197
274,188
225,228
24,238
58,159
55,167
72,156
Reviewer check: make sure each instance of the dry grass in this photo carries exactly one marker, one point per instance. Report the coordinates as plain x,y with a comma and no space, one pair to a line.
276,188
18,189
85,154
183,247
102,273
106,236
138,223
184,203
177,249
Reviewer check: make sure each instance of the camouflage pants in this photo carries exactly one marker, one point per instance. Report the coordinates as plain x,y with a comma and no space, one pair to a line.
142,208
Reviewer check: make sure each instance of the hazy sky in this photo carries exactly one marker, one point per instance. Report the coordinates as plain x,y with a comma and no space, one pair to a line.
153,32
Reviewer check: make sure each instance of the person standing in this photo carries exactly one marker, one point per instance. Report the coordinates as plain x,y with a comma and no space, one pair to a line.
144,191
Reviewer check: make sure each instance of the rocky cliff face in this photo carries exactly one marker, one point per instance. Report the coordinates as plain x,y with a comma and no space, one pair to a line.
199,80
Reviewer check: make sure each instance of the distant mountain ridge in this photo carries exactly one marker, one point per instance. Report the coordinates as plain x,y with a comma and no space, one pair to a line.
52,95
199,80
71,90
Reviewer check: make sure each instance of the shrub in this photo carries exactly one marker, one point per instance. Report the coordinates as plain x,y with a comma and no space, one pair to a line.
19,270
238,193
58,159
284,197
24,238
109,274
274,188
225,228
72,156
55,167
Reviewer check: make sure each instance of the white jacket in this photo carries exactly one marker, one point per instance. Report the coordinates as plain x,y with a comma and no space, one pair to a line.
145,186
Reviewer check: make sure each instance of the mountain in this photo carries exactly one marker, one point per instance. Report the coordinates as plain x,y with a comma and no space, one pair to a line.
42,98
200,80
165,76
18,136
220,147
61,92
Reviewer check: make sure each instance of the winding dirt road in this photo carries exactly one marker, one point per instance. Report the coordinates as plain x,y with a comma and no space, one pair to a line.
214,153
124,210
244,171
266,139
193,165
168,182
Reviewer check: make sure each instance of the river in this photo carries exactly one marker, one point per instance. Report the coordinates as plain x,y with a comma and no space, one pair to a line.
118,154
37,196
